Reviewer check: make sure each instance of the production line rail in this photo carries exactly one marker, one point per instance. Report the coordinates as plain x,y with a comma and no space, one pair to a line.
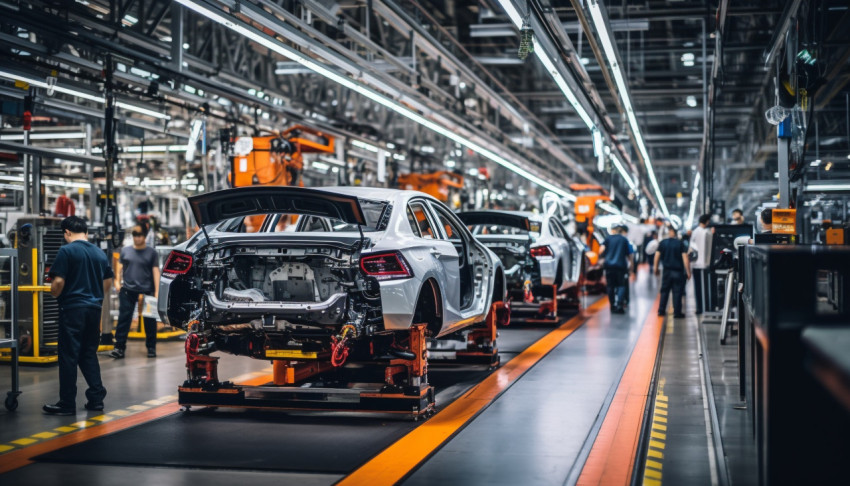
533,420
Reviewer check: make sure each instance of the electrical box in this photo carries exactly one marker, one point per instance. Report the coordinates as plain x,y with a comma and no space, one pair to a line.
784,221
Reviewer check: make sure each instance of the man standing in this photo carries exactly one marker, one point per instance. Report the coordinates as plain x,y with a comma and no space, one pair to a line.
701,242
737,216
766,218
138,274
616,252
673,255
81,276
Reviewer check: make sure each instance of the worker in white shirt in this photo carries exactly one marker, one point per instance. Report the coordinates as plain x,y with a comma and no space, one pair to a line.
701,242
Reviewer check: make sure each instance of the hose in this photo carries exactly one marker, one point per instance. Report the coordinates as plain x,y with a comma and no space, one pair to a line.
339,346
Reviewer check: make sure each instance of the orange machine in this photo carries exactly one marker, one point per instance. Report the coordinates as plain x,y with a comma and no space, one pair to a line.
438,184
587,195
277,160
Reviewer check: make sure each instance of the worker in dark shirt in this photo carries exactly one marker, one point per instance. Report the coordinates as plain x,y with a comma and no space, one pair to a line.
673,256
138,274
616,251
81,276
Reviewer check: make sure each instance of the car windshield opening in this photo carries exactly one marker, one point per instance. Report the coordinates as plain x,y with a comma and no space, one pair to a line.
506,229
376,214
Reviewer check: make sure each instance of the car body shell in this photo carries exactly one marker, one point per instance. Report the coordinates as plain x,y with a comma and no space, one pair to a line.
431,260
563,267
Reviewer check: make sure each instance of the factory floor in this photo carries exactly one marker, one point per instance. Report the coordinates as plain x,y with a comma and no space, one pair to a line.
567,405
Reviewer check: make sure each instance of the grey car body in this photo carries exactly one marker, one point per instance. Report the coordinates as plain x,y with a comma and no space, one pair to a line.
377,259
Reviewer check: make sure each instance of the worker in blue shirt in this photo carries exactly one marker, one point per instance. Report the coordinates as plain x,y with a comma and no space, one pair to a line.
617,253
81,277
673,256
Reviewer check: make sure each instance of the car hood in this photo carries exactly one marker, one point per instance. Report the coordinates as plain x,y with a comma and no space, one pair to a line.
216,206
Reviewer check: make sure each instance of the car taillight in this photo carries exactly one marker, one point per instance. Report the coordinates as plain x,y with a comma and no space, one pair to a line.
541,251
177,263
385,266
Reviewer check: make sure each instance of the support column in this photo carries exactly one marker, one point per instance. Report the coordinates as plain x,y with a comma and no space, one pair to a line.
783,140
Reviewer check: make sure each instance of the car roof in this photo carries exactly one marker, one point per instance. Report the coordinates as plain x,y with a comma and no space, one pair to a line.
524,214
379,193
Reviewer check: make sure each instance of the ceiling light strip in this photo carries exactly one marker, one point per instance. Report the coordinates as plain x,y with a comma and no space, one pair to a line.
619,165
372,95
516,18
694,195
611,54
83,95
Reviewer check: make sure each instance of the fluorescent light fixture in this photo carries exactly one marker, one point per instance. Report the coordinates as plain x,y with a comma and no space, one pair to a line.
87,96
815,163
365,146
694,195
381,99
194,135
48,182
611,54
154,148
688,59
46,136
427,149
827,187
691,101
320,166
622,170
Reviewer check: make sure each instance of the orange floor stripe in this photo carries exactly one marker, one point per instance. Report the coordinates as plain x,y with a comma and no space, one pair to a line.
395,462
23,457
612,456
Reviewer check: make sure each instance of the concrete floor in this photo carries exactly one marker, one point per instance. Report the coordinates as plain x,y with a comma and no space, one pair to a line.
538,431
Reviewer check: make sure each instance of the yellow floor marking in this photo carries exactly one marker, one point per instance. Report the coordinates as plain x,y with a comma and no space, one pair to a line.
660,427
662,420
661,398
4,448
661,412
138,408
660,404
65,429
154,402
45,435
120,413
656,444
655,454
24,442
169,397
651,482
654,464
649,473
658,435
83,424
102,418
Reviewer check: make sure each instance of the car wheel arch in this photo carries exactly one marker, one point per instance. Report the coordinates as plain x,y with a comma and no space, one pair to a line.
430,292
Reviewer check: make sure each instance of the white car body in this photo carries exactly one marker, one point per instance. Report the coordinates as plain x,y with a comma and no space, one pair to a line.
532,246
320,250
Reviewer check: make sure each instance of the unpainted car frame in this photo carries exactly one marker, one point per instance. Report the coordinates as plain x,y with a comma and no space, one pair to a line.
360,268
541,261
